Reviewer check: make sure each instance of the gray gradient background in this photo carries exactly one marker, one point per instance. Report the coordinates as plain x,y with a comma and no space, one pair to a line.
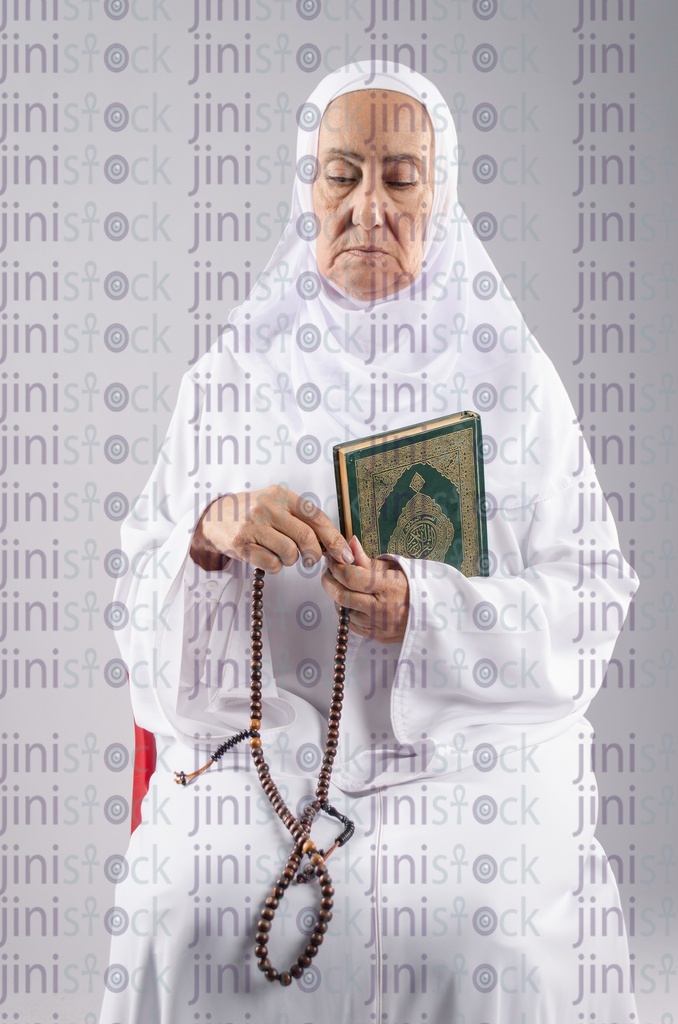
85,713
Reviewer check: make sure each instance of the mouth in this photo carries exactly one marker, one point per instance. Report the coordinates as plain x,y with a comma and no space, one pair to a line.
367,250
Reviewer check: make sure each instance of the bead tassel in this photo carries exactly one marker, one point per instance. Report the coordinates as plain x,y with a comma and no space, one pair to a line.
183,778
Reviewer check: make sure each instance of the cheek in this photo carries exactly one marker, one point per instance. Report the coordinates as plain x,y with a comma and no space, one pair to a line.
321,254
409,232
325,243
327,214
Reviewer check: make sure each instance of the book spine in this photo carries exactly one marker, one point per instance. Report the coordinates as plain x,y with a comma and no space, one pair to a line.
483,554
339,462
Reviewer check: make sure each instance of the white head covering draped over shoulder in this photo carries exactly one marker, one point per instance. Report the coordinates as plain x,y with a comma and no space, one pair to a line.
456,340
453,327
464,748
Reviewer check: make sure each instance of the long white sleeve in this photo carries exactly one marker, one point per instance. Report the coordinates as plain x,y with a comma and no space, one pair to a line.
517,646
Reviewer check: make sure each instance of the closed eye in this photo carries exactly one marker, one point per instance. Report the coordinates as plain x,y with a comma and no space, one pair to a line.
351,181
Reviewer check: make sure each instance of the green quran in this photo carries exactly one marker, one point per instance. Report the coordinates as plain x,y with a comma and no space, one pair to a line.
418,492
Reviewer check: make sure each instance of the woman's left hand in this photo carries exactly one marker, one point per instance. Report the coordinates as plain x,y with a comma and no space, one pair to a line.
375,591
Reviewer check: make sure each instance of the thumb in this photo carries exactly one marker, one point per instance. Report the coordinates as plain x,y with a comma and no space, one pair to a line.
361,558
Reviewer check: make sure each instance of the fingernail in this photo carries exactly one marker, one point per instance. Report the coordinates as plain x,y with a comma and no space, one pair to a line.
347,556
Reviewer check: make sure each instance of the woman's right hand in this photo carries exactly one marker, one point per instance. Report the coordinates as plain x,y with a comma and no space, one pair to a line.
268,529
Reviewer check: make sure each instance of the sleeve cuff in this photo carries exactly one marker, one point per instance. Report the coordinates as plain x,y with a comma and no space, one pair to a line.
202,584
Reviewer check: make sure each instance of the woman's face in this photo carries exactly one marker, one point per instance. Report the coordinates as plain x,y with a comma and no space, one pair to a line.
374,192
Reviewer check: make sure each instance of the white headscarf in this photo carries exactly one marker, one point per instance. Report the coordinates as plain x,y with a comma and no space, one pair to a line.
466,328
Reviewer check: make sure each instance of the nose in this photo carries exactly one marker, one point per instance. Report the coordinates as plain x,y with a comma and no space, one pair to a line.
368,197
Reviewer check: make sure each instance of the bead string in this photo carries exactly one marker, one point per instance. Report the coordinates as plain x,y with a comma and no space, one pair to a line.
299,828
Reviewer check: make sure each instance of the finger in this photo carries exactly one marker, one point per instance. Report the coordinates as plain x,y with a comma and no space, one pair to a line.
302,520
358,550
375,623
364,633
354,629
368,580
304,538
270,515
261,558
264,536
362,627
353,600
324,529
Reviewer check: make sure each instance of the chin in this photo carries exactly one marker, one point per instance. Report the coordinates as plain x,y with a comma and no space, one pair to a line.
368,286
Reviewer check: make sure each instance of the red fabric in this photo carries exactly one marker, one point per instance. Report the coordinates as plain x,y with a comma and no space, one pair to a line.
144,766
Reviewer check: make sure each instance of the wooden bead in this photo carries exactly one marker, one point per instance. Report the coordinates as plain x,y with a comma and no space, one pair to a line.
299,828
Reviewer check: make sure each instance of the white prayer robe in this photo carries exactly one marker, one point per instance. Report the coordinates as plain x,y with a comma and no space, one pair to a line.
473,890
467,891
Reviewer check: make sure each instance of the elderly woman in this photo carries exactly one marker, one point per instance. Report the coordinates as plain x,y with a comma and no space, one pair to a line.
473,889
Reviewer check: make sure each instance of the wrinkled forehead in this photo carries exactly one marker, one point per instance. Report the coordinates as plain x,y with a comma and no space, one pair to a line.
369,112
